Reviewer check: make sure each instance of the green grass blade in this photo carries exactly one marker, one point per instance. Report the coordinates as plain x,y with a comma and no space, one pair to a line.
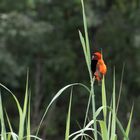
129,123
120,90
86,32
87,110
8,136
23,114
122,129
68,119
103,130
113,127
17,102
85,52
9,123
119,126
81,135
94,110
98,111
28,119
55,97
109,121
10,127
83,44
32,136
104,99
3,130
81,132
88,128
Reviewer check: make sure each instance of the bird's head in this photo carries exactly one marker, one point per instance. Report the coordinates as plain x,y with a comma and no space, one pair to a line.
97,56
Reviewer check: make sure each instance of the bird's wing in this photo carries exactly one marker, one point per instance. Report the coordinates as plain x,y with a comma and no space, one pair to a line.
93,65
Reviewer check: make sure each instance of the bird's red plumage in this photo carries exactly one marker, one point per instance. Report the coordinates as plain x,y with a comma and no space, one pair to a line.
100,69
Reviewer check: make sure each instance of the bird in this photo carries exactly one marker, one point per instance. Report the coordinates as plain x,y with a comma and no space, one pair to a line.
98,66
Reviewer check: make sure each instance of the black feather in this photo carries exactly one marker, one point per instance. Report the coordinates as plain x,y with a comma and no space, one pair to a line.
93,65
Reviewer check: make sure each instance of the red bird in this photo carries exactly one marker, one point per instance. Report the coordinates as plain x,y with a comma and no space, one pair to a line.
98,66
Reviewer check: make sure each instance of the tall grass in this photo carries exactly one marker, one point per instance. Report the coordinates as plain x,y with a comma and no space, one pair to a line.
24,118
104,129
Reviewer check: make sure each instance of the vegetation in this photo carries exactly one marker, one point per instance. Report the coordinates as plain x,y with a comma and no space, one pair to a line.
27,39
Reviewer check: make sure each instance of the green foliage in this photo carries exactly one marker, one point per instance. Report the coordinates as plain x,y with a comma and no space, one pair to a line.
3,130
23,115
45,33
68,120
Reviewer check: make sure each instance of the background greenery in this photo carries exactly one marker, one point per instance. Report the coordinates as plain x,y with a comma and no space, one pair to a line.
42,35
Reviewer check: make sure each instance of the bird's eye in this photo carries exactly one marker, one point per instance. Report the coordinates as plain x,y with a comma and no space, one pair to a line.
95,56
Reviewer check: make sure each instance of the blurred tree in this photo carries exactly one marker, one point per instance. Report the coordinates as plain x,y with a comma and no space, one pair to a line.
43,36
30,40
